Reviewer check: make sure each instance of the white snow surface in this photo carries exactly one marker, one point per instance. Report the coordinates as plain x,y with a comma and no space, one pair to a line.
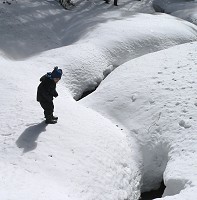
84,156
101,52
138,127
147,98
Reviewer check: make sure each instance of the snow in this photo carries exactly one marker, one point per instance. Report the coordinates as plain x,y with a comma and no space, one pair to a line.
146,96
77,157
135,129
186,10
84,69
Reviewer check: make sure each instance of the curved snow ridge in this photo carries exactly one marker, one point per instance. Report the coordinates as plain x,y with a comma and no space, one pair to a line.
83,157
84,66
140,34
147,96
116,42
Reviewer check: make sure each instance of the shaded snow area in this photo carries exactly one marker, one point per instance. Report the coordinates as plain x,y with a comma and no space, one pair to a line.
186,10
153,98
137,129
43,25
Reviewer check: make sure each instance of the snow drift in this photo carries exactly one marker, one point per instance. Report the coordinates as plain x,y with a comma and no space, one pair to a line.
99,52
146,97
85,155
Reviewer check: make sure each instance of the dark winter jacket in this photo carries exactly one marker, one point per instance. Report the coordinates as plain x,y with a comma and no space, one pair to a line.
47,89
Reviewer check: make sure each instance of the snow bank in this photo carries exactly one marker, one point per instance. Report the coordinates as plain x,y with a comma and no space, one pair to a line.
28,27
106,37
84,156
114,43
146,97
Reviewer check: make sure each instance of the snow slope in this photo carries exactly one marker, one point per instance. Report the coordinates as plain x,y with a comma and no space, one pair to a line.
153,98
43,25
85,155
81,157
183,9
86,62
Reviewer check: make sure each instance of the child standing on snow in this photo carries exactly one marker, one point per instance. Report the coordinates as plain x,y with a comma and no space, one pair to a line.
46,91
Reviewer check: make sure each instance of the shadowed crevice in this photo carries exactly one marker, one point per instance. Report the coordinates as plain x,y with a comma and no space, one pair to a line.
92,88
153,194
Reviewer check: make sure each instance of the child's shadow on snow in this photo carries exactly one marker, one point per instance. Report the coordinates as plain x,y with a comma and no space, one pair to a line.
27,139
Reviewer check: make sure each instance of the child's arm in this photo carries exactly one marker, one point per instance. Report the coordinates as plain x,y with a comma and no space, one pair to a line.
55,94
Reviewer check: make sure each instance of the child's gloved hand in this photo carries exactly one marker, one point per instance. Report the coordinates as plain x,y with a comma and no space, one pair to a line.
55,94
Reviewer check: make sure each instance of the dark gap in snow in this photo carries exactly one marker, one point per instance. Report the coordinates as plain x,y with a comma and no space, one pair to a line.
153,194
155,159
91,89
86,93
158,8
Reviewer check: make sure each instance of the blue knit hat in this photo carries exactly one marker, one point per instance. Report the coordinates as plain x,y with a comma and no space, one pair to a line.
56,73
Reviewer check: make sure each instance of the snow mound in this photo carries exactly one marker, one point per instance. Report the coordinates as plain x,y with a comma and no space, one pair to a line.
86,61
84,156
28,27
183,9
146,97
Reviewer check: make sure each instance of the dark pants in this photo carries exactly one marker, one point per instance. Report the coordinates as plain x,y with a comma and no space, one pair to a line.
48,109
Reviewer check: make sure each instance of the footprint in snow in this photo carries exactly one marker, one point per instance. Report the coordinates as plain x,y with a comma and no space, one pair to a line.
184,111
184,124
133,98
191,82
170,89
154,77
151,101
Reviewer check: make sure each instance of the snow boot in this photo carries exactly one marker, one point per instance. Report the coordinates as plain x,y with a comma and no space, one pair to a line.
50,121
54,118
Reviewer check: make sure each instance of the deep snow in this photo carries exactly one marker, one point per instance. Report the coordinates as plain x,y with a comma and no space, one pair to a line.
146,97
101,53
140,124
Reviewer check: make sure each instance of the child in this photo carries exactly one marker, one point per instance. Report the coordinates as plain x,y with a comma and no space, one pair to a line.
46,91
